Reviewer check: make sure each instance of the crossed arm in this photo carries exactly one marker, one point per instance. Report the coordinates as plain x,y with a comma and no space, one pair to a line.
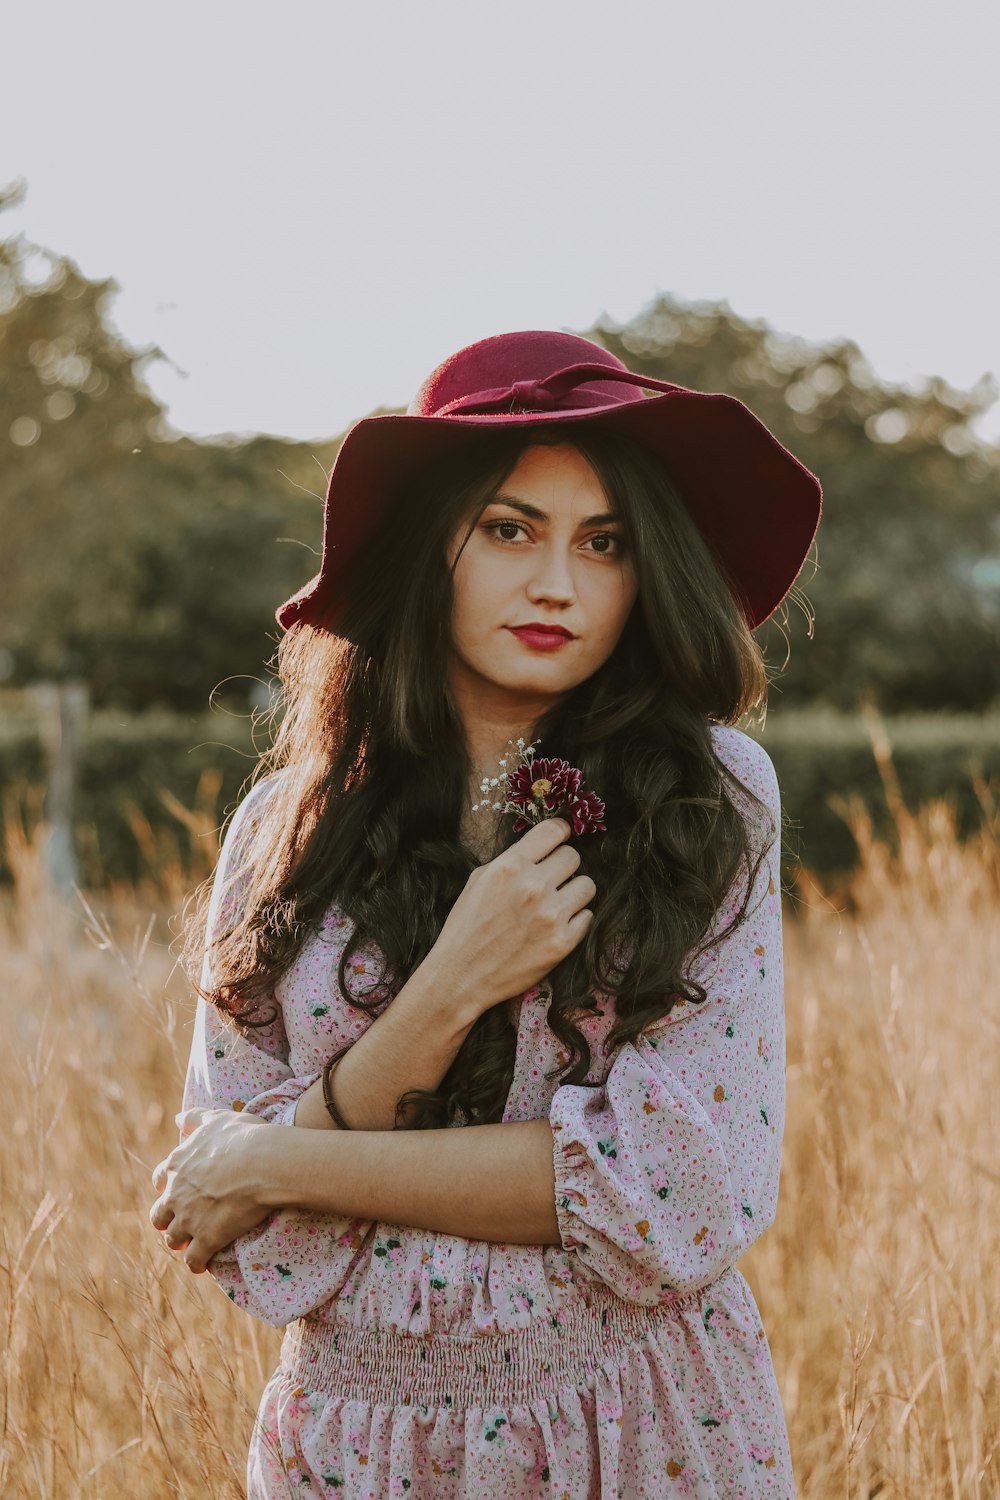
489,1182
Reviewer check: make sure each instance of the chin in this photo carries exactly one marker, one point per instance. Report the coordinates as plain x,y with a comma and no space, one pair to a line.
541,682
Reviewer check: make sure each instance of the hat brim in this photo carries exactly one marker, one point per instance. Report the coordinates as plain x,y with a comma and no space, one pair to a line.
756,505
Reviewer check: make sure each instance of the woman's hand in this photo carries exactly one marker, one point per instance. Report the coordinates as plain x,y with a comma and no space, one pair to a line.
210,1185
518,916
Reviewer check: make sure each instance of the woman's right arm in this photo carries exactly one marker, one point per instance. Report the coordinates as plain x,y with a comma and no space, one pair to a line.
411,1045
517,917
515,920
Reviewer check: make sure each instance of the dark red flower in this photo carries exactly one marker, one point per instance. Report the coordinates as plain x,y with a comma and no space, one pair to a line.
547,787
587,812
544,782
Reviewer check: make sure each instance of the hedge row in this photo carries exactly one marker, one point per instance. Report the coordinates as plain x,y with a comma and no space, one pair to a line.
824,759
152,790
155,787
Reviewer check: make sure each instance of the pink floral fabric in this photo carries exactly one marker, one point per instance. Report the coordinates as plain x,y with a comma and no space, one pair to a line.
629,1360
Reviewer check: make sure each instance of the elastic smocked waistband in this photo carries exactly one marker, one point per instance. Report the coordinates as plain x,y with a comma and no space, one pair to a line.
389,1368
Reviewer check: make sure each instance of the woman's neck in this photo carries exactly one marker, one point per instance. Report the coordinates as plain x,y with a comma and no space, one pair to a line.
492,723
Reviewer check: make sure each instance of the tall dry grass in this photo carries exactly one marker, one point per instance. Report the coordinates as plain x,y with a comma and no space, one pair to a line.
125,1376
880,1281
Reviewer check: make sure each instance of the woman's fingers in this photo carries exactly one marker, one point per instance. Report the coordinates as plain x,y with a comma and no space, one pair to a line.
188,1120
545,836
160,1214
162,1169
162,1217
208,1194
176,1238
578,892
561,864
194,1255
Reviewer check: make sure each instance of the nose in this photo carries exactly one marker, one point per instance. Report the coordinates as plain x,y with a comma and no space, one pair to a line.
552,577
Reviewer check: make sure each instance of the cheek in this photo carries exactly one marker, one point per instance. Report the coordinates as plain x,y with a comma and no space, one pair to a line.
479,590
470,610
628,592
612,603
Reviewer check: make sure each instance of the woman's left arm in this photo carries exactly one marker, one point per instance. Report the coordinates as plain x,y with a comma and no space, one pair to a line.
481,1182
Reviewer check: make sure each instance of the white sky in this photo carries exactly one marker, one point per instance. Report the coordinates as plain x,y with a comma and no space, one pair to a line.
308,205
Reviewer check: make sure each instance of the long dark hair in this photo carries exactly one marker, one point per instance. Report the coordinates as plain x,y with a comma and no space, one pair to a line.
374,774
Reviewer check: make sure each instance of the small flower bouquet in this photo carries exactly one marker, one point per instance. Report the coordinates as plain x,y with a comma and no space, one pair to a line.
540,788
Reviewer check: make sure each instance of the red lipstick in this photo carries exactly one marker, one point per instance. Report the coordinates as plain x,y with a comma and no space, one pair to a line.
543,637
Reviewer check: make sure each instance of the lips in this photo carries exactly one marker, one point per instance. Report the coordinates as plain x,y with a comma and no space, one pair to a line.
559,630
541,637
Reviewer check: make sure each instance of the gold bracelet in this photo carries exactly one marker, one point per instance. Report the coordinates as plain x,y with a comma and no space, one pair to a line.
331,1108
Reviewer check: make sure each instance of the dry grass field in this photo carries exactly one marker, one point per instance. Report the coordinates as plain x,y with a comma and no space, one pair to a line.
124,1376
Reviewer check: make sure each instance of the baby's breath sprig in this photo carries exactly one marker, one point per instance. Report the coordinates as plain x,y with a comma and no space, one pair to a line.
486,786
538,788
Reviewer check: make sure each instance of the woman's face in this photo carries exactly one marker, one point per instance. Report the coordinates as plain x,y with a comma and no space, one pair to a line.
549,552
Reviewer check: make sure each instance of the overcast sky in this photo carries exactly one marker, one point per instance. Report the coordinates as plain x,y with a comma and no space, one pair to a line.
308,205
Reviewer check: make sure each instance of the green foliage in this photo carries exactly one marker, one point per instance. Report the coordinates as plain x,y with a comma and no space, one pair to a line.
153,789
824,758
148,564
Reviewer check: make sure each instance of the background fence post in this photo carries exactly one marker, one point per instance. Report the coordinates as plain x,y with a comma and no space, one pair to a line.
63,708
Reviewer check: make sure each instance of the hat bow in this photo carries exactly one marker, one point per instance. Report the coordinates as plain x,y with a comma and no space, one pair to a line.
554,392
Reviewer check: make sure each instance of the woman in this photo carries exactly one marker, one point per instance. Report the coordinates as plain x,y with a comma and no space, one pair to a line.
536,558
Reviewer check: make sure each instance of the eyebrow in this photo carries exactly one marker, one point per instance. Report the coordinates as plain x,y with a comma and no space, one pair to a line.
539,515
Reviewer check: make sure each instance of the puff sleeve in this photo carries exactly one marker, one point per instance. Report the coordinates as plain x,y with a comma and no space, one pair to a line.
668,1172
226,1068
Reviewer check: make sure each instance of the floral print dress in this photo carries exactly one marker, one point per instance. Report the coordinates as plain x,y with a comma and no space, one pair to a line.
629,1360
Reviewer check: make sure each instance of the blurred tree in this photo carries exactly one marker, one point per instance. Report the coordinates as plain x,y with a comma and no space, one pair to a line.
148,564
907,591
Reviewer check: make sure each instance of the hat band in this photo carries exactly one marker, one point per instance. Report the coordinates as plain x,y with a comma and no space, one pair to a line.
551,393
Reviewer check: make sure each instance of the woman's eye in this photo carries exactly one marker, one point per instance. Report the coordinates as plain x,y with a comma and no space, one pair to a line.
605,543
608,536
501,526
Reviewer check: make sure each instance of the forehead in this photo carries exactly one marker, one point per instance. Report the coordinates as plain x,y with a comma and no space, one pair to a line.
553,462
555,474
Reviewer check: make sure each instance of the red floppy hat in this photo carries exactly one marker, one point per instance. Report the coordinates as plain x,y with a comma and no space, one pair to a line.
756,505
